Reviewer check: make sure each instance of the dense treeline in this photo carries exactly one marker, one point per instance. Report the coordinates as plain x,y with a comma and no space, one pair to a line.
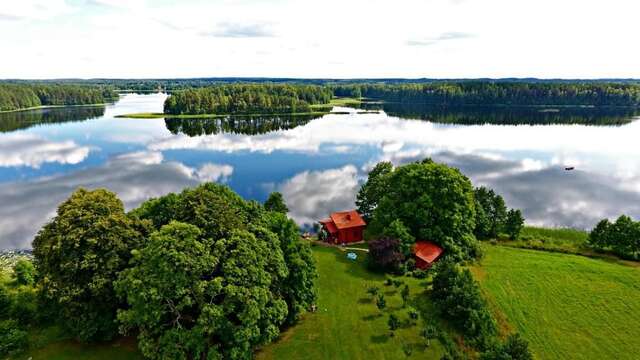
247,98
151,85
621,237
500,93
25,119
23,95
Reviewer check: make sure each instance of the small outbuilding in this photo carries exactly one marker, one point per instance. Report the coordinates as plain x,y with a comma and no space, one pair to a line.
426,253
343,227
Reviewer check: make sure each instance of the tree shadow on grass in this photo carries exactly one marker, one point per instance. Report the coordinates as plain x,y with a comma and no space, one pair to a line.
371,317
365,300
379,339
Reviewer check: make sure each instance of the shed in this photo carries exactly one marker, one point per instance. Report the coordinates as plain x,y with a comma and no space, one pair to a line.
426,253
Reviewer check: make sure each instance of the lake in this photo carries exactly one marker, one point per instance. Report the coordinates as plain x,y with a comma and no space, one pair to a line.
317,163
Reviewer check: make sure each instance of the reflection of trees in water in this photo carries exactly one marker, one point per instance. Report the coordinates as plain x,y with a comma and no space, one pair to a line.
474,115
247,125
25,119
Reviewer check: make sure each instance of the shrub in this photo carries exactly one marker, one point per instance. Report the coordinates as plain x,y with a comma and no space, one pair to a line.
514,348
24,272
393,322
25,306
381,303
385,254
5,302
458,297
12,338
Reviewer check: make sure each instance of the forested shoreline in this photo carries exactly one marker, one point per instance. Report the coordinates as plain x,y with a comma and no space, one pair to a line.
27,95
500,93
247,99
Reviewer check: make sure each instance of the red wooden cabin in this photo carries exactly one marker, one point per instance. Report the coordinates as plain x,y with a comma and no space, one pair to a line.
426,254
344,227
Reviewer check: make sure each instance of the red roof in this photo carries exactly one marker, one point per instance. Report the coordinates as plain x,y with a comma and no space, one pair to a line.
427,251
347,219
331,227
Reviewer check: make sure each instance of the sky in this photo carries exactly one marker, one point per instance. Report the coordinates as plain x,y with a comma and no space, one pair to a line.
319,39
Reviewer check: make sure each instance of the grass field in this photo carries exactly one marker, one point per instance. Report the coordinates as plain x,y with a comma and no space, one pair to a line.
566,306
348,324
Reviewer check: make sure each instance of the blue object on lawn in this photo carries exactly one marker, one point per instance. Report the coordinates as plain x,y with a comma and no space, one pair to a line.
352,256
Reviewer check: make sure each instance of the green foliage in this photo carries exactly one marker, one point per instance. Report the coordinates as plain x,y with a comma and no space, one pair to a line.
12,338
373,290
78,256
405,294
514,348
501,93
434,202
5,301
24,272
247,99
373,190
213,297
214,209
428,333
232,273
397,230
622,237
381,303
276,203
24,307
393,322
458,297
493,213
22,96
514,223
299,287
385,254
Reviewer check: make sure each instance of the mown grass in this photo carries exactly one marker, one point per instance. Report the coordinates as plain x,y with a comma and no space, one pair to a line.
566,306
347,324
564,240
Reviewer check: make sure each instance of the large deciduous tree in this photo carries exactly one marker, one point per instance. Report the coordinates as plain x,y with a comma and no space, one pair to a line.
192,297
434,202
372,191
78,256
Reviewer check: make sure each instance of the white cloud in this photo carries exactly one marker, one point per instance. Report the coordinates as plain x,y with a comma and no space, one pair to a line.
312,195
24,149
214,172
490,38
134,177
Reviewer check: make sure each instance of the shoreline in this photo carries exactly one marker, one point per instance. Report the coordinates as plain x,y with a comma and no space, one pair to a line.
54,107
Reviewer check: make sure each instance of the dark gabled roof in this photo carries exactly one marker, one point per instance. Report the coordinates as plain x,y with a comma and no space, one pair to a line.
427,251
347,219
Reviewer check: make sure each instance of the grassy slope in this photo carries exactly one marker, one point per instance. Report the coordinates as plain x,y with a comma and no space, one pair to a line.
567,306
347,324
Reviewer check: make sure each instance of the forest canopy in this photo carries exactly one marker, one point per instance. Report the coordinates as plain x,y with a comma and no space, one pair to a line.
247,99
27,95
500,93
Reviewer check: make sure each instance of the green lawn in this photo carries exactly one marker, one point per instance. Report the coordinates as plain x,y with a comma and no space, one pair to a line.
348,324
566,306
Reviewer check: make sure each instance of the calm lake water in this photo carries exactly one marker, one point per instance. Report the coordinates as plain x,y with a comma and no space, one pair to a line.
318,164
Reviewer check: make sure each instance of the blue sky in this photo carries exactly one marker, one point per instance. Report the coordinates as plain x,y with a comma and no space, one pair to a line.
331,38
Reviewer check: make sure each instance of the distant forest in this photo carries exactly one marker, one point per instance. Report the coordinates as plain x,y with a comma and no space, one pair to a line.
247,99
500,93
15,96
